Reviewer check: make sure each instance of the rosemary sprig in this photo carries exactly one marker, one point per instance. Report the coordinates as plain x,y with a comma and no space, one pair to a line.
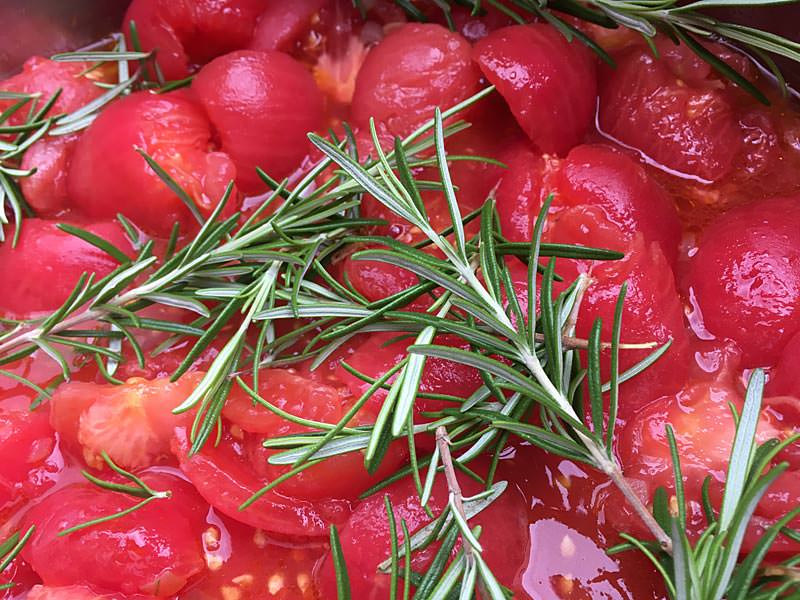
710,568
683,22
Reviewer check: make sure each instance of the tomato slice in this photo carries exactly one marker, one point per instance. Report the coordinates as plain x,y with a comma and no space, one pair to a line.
224,476
532,65
154,550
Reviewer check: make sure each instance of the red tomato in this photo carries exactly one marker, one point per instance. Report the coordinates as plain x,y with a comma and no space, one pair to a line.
42,270
262,105
46,190
132,422
289,392
23,578
153,550
532,66
31,461
280,25
382,351
704,431
652,313
47,77
602,198
225,477
187,33
366,542
412,71
108,176
689,128
746,277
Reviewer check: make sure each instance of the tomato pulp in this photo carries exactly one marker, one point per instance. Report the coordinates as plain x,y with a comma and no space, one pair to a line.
660,159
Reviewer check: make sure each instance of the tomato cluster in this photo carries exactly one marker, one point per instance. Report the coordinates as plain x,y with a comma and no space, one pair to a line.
659,158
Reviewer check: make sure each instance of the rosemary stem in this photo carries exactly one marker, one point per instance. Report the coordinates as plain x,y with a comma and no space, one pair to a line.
443,445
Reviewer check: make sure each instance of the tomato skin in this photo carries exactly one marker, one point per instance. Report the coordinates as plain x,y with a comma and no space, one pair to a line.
46,264
784,379
31,463
132,422
365,538
262,104
746,277
224,476
704,430
46,77
280,26
412,71
379,353
686,128
46,190
186,33
153,550
108,176
532,65
652,313
290,392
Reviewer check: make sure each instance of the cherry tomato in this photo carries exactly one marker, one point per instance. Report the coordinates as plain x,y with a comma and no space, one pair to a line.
262,105
44,267
187,33
365,538
46,190
602,198
784,379
689,128
153,550
46,77
746,277
704,431
108,176
280,26
31,462
532,65
382,351
412,71
132,422
225,477
652,313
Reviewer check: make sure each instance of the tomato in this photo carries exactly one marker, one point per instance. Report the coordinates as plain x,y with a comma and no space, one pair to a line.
153,550
46,189
746,277
652,313
132,422
381,351
704,430
44,267
224,476
412,71
290,392
46,77
247,566
187,33
280,26
365,538
21,576
107,176
686,127
262,105
532,65
602,198
31,462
